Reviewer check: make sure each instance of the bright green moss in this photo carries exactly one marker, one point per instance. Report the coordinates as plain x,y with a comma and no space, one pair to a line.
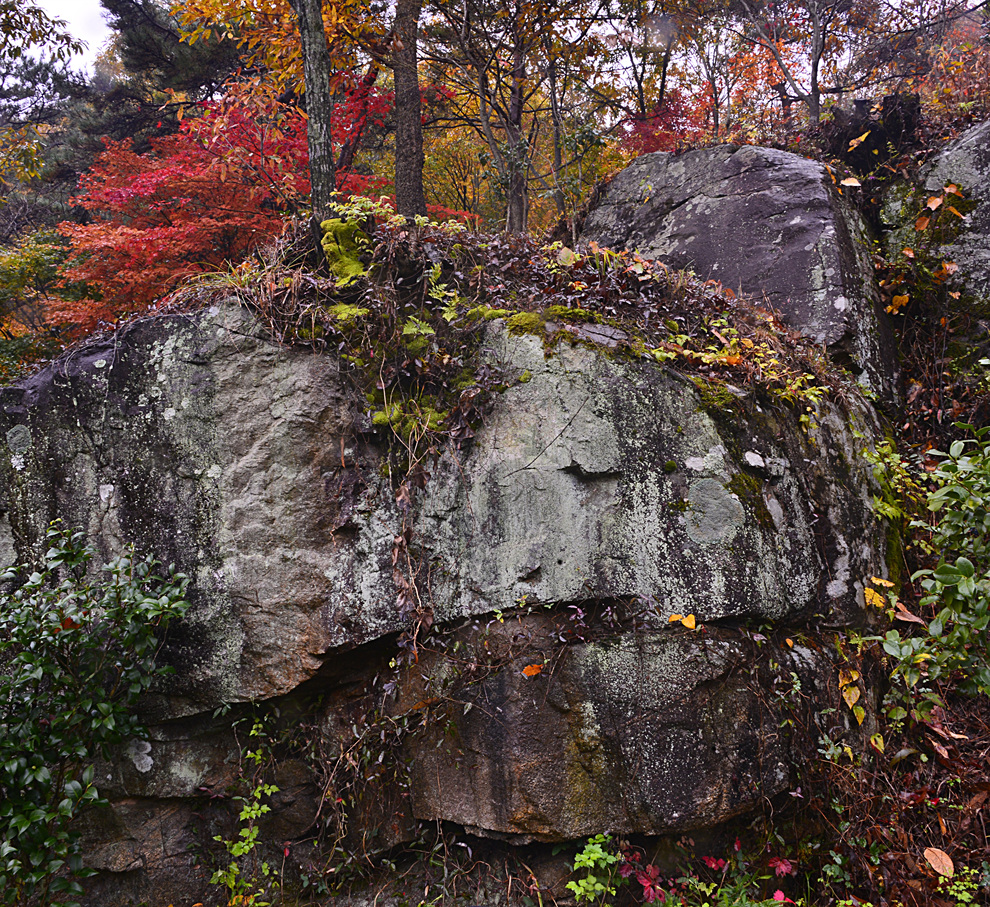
715,397
526,323
343,243
347,315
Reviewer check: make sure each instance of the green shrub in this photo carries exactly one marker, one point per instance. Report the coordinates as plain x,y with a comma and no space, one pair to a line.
957,589
598,860
76,651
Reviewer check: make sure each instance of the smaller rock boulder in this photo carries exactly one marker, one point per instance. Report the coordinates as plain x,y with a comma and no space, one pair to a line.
764,223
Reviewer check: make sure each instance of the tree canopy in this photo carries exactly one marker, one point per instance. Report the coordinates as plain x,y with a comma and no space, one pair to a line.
185,148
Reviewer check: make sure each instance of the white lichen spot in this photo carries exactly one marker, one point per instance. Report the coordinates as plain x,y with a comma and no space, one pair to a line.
17,461
713,461
776,513
106,495
754,459
214,472
169,414
139,752
841,304
839,586
100,363
19,439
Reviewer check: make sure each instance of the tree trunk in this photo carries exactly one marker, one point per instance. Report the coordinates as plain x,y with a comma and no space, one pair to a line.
558,135
517,213
409,197
713,87
316,72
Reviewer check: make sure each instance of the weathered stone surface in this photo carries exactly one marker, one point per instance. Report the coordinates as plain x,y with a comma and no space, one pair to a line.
214,449
599,498
765,223
965,163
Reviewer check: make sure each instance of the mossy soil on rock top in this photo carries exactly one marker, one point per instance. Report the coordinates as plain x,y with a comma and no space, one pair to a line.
410,324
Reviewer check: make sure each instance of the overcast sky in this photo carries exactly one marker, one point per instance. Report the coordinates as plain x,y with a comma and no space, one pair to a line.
85,22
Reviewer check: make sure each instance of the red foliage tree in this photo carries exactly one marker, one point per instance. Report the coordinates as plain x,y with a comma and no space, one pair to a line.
675,123
199,200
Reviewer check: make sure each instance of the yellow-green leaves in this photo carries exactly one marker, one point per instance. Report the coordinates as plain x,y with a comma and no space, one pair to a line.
851,693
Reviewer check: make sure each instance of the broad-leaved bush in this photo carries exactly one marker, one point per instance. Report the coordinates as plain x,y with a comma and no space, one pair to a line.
78,647
957,588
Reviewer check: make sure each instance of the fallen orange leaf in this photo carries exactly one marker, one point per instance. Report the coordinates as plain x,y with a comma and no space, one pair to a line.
902,613
940,861
532,670
856,142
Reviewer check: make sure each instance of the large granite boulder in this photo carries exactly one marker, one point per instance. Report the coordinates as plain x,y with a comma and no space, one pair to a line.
765,223
559,694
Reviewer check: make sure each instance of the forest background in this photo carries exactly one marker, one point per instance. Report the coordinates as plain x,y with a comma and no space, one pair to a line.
192,142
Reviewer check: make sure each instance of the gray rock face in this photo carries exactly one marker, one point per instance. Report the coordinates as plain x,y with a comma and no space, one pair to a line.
562,694
764,223
965,163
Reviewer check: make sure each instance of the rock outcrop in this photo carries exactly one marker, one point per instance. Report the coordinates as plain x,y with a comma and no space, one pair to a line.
764,223
586,580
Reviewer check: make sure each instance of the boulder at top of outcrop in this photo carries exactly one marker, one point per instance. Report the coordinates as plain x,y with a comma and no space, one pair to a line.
765,223
558,558
964,163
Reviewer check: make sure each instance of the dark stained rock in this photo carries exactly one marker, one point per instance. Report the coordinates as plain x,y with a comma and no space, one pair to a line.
765,223
964,163
638,733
